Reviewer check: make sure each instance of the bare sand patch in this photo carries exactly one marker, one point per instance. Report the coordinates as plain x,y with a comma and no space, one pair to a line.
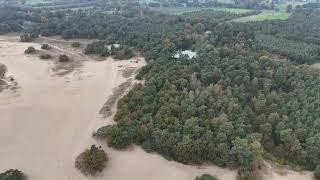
315,66
277,172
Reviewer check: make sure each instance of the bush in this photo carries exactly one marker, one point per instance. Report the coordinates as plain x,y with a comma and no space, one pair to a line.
95,47
76,44
12,174
45,56
206,177
3,70
317,173
123,53
105,52
91,160
63,58
102,132
30,50
46,46
28,37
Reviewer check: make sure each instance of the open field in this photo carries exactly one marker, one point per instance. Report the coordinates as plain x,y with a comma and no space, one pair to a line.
265,15
181,10
226,1
32,2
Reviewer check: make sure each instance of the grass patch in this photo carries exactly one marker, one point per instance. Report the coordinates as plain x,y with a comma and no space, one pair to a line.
265,15
32,2
226,1
181,10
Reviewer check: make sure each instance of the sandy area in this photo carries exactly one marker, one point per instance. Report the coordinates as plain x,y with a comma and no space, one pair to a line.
48,119
315,66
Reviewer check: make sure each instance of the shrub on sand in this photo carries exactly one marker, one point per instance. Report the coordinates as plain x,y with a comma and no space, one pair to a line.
30,50
3,70
63,58
205,177
45,56
46,46
12,174
76,44
91,161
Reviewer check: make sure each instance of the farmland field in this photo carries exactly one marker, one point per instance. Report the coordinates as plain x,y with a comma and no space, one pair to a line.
180,10
34,1
265,15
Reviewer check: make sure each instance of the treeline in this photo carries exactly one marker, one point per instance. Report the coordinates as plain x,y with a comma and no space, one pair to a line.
141,31
13,19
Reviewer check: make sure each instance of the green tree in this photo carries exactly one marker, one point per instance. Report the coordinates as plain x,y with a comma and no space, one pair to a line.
117,137
289,8
30,50
12,174
206,177
91,160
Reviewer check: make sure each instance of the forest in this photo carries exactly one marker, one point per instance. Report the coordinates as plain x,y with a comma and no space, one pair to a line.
232,105
296,38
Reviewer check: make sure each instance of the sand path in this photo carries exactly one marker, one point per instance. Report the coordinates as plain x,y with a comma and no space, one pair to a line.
48,120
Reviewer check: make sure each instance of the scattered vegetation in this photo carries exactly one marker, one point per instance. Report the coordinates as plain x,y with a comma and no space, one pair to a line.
91,161
12,174
30,50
